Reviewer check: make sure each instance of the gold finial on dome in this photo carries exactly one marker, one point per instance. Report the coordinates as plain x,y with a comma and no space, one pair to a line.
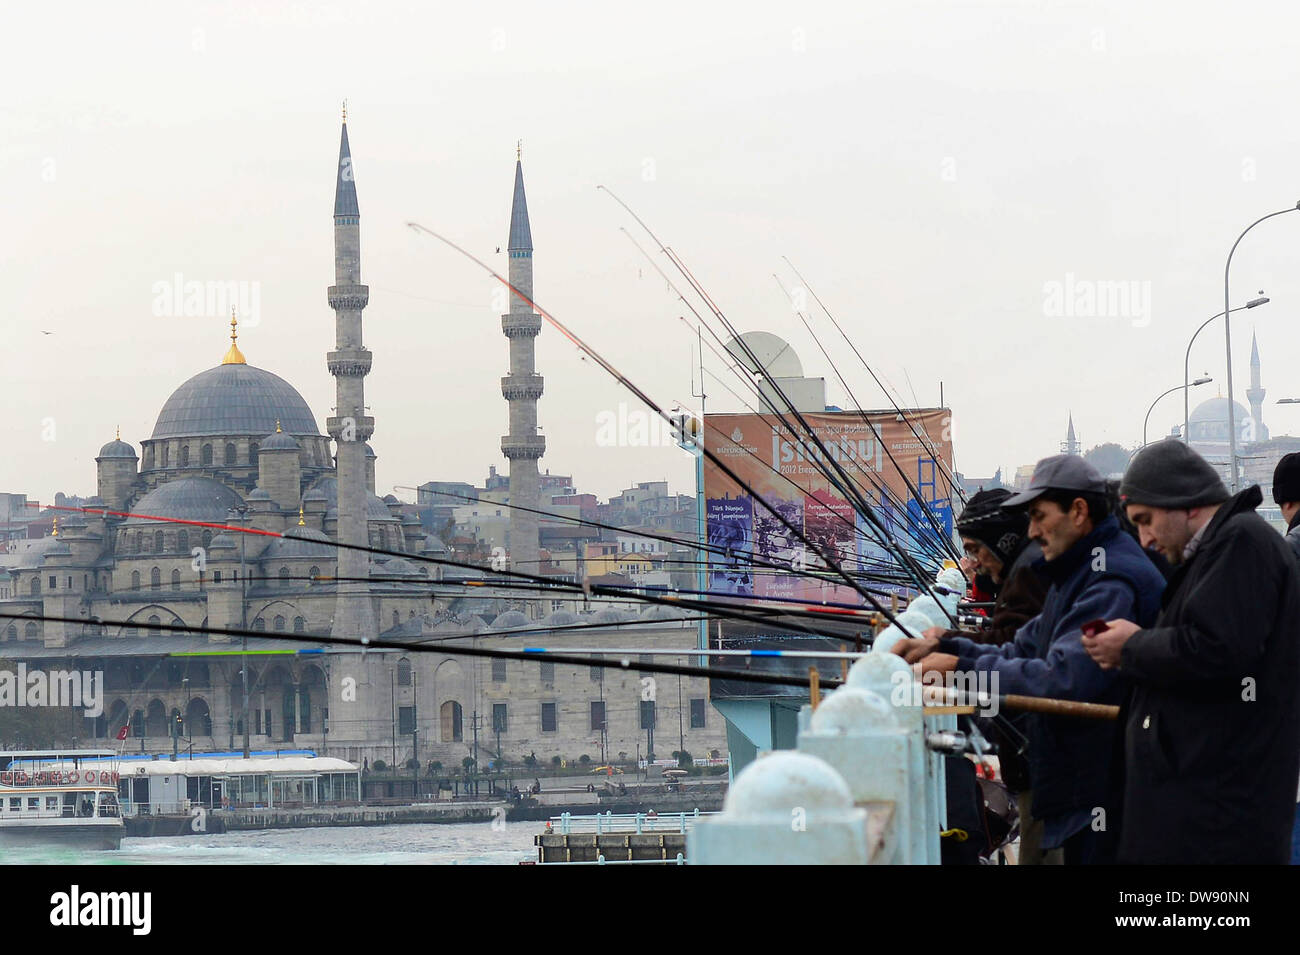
56,528
277,425
519,150
234,356
119,432
345,111
301,521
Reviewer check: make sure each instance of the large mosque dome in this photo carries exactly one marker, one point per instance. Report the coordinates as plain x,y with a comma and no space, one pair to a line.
234,399
1208,421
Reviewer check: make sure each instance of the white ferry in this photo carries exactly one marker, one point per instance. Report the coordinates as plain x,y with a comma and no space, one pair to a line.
60,797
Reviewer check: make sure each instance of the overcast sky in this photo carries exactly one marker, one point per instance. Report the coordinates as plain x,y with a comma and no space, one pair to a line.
931,168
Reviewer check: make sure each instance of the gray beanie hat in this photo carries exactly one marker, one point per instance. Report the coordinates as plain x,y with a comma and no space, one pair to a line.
1171,475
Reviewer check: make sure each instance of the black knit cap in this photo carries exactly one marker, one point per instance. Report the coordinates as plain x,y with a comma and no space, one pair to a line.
984,520
1171,475
1286,479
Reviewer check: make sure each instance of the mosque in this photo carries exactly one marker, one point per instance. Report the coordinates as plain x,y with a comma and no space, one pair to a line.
237,445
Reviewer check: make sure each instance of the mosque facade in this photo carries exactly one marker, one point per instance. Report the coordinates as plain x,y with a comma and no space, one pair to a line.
236,445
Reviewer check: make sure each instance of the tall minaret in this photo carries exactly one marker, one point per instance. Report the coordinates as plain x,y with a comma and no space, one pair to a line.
522,387
1255,393
1070,445
350,428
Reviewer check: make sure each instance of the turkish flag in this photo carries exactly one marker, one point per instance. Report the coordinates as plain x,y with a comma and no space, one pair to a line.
121,734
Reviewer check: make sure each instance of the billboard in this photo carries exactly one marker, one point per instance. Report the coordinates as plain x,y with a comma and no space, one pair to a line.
784,470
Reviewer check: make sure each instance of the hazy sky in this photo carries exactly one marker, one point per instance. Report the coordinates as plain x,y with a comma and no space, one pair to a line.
931,168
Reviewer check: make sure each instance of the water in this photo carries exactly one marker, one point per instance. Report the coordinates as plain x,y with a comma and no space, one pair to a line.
413,844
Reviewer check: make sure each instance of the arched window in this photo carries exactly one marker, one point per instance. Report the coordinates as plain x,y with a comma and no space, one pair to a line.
397,618
176,580
284,578
404,672
185,455
155,579
183,541
135,580
207,539
29,631
299,625
205,455
139,542
198,717
157,542
153,618
279,623
259,624
314,571
11,632
230,454
252,452
137,723
166,455
35,586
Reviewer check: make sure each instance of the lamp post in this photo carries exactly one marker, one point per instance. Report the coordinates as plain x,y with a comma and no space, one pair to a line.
1262,300
243,618
1184,386
1227,338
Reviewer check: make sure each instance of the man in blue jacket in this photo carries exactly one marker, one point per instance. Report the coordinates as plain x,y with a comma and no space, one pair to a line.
1096,572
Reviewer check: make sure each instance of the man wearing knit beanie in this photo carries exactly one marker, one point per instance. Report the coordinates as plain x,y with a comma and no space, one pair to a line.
1212,728
1286,495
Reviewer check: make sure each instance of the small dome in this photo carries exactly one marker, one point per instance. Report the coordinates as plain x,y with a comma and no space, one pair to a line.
315,494
561,618
189,499
259,494
432,545
376,510
391,499
659,612
117,449
222,541
609,616
510,620
396,567
278,441
58,549
783,780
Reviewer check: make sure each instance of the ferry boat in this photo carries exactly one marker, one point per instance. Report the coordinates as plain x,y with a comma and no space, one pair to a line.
60,797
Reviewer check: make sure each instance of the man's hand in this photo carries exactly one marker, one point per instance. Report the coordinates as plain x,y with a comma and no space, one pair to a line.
938,663
969,567
1105,647
912,650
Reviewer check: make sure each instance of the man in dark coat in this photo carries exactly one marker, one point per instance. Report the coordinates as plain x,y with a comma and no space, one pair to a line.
1212,728
1097,571
1286,495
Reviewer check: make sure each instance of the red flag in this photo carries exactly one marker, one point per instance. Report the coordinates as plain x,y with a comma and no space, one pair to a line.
121,734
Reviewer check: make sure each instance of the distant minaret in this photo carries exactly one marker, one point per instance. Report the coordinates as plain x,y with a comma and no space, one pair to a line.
350,428
522,387
1255,393
1070,445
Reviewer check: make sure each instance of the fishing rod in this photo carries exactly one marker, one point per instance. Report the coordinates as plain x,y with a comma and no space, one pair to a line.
731,611
645,399
830,459
951,478
815,459
623,662
939,535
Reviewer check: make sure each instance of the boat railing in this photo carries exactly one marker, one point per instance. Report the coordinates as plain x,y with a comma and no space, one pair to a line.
638,822
678,859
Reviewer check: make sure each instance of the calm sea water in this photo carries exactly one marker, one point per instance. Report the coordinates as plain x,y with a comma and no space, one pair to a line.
415,844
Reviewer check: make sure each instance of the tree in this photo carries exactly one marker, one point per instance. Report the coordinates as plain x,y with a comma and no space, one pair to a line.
1109,459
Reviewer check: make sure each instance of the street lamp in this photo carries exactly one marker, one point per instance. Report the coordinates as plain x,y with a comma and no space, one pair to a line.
1227,338
1204,380
1262,300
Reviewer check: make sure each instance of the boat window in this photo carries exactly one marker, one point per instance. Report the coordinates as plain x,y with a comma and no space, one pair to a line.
34,802
15,803
52,803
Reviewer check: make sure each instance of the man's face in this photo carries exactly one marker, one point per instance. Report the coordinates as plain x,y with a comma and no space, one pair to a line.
985,558
1056,530
1162,529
